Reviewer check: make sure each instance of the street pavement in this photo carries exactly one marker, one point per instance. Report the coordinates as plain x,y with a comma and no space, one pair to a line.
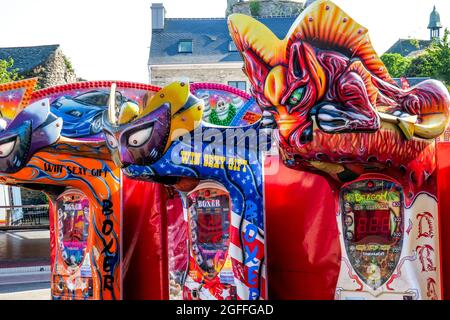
25,291
24,265
24,248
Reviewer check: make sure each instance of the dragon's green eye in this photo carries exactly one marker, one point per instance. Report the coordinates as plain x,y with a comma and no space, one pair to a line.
296,96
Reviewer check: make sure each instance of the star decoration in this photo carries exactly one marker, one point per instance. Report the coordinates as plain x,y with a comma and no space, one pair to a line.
225,293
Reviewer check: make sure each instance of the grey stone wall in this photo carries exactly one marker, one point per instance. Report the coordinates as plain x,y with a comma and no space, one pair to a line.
230,5
270,8
162,77
57,70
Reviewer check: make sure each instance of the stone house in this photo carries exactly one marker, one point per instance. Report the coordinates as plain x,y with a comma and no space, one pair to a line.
52,67
265,8
48,63
202,50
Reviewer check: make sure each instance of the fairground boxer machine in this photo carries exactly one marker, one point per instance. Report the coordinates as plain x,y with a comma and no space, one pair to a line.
51,141
72,209
340,114
209,220
219,253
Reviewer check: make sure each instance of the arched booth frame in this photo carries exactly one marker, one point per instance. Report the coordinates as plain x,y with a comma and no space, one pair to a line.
168,142
78,176
87,193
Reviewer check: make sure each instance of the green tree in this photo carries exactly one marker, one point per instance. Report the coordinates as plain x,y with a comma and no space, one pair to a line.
255,8
422,66
415,43
434,62
440,53
396,64
7,72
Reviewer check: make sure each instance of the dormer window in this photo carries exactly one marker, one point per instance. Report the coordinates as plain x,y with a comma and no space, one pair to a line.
232,46
185,46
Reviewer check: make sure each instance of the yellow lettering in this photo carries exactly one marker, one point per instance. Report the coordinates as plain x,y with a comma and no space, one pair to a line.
197,158
185,157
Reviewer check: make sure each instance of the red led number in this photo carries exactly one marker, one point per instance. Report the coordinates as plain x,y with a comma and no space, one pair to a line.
377,223
362,225
385,225
373,225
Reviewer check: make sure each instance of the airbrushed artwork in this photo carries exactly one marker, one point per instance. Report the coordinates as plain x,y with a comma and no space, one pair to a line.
324,82
340,114
233,108
25,128
168,142
328,181
82,184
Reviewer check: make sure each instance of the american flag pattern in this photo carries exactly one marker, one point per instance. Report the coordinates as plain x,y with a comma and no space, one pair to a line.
247,240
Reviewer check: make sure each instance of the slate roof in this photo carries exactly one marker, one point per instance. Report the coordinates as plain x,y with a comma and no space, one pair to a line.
210,38
27,58
406,47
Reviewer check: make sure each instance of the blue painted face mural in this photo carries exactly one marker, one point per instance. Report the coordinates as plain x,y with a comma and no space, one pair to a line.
143,138
24,129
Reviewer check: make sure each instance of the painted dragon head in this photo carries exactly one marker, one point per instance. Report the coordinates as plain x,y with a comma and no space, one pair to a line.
141,137
24,128
330,96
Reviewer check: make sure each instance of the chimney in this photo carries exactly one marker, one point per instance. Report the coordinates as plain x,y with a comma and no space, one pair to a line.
158,15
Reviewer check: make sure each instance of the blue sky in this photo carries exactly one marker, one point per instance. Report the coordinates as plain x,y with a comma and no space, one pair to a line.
110,39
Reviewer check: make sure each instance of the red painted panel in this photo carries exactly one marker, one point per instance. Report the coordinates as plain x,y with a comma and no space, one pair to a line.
302,237
144,240
443,160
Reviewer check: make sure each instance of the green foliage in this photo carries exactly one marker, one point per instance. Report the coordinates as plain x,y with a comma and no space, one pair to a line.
68,64
7,72
415,43
255,8
422,66
440,53
433,63
396,64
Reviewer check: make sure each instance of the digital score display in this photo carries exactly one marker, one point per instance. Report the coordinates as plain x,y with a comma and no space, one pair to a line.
210,227
209,218
372,223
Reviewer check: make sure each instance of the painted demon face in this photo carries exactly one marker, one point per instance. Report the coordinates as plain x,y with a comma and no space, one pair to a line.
32,129
286,82
14,148
331,97
137,137
296,80
325,77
